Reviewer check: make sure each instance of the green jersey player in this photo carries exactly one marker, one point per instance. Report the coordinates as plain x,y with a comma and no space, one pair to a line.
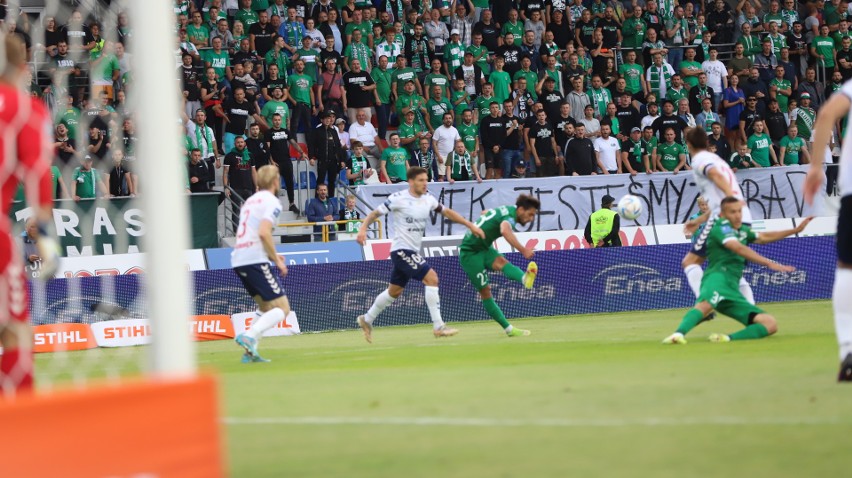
726,244
478,255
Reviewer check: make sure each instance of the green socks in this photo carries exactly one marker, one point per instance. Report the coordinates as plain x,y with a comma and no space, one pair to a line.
494,310
753,331
513,272
690,320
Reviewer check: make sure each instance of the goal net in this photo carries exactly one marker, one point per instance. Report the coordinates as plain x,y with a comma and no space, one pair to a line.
106,72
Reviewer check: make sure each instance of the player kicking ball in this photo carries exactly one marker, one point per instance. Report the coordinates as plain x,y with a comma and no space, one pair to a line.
477,255
251,256
409,211
727,252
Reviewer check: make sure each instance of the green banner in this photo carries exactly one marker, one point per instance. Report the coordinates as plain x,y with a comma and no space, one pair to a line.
114,226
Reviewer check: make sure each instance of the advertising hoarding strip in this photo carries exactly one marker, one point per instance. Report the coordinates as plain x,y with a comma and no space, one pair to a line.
328,296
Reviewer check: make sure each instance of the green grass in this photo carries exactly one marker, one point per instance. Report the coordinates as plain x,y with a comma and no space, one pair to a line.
584,396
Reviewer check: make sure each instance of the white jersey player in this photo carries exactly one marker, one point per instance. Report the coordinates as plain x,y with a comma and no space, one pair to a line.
716,181
836,108
409,212
251,256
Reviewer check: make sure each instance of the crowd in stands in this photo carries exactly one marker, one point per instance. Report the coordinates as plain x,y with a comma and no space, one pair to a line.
468,89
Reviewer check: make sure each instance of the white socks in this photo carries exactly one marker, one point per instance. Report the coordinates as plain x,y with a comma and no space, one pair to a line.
382,301
433,302
842,302
265,322
745,290
694,273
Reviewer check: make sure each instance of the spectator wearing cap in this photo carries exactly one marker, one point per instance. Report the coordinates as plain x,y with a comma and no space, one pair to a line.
345,140
520,170
603,226
462,22
276,106
748,117
805,116
454,52
325,151
86,181
635,157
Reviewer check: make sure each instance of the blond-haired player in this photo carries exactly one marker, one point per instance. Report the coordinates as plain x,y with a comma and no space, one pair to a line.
253,252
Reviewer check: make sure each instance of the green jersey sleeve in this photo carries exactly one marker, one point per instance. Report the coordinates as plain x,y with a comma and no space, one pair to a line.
490,222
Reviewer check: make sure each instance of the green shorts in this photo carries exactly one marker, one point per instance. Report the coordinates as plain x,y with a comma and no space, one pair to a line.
476,265
725,297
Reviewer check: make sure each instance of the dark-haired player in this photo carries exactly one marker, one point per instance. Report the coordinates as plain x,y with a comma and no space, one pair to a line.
477,255
726,246
409,211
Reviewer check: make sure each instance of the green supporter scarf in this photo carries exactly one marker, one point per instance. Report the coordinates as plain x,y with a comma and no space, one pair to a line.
207,138
659,76
461,163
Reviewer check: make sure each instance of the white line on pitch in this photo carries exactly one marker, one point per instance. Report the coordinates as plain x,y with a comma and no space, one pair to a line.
533,422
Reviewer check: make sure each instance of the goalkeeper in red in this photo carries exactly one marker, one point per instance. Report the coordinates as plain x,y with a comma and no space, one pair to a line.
25,153
727,239
478,255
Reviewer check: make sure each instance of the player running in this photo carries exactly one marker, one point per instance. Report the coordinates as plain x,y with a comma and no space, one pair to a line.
477,255
836,108
409,212
727,251
250,259
716,181
25,152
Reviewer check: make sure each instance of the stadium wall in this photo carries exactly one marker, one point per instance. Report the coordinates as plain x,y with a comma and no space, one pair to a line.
328,296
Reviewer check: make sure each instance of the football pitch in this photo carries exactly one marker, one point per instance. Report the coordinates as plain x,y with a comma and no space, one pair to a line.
584,395
590,395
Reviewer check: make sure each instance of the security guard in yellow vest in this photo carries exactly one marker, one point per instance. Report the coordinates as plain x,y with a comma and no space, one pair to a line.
603,226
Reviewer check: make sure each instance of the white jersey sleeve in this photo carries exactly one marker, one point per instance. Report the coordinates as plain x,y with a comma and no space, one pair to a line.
260,207
702,164
844,179
409,216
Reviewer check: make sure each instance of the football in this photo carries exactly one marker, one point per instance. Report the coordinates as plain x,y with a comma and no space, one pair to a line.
629,207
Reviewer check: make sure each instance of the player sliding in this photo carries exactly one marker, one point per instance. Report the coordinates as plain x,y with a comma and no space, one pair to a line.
250,259
727,253
835,109
478,255
409,212
716,181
